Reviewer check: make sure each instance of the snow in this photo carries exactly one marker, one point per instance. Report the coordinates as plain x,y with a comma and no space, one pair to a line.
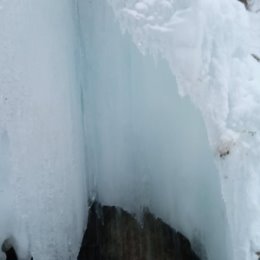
85,115
254,6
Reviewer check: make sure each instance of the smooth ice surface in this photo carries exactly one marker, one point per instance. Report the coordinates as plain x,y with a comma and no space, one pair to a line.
146,146
42,169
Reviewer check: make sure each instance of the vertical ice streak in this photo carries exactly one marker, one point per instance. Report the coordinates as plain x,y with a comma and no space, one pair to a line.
147,147
42,156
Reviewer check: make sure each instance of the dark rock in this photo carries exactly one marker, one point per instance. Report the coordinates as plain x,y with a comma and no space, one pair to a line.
245,2
9,250
10,253
257,58
114,234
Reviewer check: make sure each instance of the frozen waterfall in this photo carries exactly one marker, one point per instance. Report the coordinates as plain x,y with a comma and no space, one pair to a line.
133,103
43,191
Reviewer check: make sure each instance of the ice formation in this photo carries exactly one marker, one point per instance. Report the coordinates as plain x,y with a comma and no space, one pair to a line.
211,47
89,113
145,143
42,190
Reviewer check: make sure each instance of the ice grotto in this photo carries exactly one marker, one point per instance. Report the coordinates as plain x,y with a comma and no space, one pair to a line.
148,107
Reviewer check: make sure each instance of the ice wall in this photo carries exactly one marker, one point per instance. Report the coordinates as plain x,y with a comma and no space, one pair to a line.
146,146
139,144
209,47
42,168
